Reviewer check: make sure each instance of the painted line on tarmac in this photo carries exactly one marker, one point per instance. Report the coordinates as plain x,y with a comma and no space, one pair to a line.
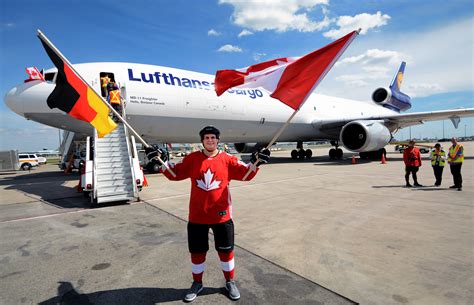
44,216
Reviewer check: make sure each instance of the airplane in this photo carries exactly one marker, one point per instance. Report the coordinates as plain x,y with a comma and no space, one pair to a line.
169,105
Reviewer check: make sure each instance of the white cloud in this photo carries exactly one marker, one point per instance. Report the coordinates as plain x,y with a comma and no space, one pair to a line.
18,133
439,60
363,21
213,32
229,48
8,25
258,56
244,33
278,15
375,56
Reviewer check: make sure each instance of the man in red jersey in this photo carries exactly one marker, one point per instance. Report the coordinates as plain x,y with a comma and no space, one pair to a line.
210,206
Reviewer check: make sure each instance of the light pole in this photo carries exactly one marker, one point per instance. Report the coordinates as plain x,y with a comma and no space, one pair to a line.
443,129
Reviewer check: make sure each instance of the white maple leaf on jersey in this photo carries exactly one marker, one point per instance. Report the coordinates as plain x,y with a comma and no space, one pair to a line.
208,184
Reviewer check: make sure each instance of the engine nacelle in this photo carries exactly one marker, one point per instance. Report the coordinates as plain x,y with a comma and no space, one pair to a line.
248,147
366,135
392,99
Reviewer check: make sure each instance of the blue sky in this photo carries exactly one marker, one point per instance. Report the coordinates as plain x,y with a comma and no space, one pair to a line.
436,38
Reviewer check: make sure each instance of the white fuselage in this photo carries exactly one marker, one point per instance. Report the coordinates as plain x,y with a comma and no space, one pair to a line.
172,105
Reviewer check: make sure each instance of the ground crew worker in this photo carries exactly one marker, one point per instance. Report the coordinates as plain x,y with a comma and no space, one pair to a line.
104,81
455,160
412,159
114,97
210,171
438,160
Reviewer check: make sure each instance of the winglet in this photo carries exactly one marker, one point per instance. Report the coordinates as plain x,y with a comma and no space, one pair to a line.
397,80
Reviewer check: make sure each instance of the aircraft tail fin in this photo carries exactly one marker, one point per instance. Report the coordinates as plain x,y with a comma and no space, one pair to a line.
397,80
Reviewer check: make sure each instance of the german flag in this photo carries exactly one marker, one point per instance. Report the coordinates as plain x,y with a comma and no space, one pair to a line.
74,96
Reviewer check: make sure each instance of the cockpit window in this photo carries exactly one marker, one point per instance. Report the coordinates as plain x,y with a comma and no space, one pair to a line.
50,77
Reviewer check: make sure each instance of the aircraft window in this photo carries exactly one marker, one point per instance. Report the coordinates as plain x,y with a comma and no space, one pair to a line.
49,77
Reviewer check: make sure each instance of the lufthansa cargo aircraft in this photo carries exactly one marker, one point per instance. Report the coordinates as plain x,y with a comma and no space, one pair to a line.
167,105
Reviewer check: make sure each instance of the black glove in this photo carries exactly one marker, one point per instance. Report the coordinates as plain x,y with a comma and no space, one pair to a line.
263,156
153,151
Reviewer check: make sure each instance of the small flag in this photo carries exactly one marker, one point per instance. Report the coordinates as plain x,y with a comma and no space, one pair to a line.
75,97
289,79
34,74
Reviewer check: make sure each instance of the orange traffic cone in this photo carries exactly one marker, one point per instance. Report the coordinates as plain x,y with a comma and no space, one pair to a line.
383,159
145,182
354,161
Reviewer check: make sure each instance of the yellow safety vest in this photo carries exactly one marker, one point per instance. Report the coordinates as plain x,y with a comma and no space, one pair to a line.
438,158
456,154
104,81
115,97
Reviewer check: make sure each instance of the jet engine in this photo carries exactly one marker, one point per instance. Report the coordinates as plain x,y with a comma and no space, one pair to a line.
365,135
392,99
248,147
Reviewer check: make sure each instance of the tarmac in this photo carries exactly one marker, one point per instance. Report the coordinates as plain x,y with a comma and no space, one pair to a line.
307,232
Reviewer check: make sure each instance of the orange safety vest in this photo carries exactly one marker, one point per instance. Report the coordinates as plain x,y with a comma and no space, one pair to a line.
114,97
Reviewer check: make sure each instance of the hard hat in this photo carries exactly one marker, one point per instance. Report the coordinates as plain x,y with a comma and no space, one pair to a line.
209,130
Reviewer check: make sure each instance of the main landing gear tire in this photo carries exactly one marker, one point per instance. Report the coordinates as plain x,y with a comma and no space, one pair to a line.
335,154
301,154
153,167
294,154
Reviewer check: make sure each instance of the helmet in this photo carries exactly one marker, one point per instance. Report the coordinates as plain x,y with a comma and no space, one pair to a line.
209,130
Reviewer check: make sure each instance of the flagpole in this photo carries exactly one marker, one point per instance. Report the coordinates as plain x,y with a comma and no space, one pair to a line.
115,112
280,131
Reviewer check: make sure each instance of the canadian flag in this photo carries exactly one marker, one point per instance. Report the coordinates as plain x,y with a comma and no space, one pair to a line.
289,79
34,74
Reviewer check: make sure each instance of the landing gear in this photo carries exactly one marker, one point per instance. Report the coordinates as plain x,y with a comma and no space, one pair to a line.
153,165
335,153
300,152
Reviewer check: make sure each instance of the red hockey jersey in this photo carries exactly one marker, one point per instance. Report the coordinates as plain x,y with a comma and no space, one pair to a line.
210,201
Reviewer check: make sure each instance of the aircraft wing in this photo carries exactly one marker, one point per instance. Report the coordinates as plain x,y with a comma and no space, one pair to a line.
399,120
415,118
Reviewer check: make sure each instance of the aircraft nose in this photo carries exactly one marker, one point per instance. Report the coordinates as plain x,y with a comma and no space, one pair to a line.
14,101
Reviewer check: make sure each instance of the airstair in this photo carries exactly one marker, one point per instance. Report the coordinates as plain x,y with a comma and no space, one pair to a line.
112,171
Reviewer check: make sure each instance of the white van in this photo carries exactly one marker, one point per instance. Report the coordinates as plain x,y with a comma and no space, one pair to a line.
27,161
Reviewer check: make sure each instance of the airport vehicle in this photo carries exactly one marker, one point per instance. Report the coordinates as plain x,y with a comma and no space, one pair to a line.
27,161
401,149
168,105
42,160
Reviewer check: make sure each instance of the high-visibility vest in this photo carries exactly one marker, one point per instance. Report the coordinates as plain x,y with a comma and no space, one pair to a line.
456,154
104,81
114,97
438,158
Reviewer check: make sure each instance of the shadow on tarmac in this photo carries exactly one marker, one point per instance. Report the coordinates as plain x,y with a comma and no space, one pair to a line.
50,188
68,295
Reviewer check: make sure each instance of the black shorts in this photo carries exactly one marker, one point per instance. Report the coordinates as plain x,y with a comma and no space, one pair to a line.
198,237
411,169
